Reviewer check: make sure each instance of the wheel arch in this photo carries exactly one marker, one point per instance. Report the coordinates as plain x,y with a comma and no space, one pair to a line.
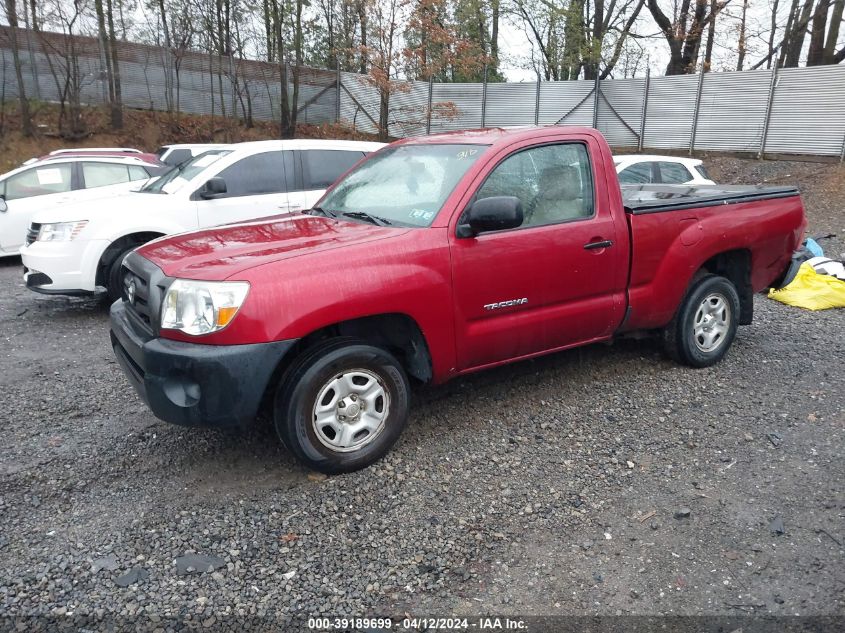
735,266
398,333
116,247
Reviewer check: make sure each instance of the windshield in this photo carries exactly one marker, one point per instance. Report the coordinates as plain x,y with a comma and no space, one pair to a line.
176,178
405,185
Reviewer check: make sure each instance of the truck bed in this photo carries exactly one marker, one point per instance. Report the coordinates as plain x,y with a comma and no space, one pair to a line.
640,199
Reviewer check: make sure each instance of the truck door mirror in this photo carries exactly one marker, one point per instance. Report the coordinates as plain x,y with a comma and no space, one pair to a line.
491,214
3,206
213,188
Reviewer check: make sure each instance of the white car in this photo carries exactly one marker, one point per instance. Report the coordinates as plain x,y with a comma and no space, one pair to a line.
78,249
86,150
178,154
58,180
645,169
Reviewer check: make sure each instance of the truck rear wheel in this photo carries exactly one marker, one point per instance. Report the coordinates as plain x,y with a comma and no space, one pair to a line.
342,405
704,326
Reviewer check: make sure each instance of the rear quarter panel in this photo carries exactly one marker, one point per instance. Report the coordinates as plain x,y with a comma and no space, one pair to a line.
668,248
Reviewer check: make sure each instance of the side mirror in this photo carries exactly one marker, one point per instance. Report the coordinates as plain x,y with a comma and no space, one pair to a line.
3,206
491,214
213,188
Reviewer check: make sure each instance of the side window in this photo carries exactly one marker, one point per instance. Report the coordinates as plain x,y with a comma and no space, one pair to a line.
257,174
636,174
673,173
102,174
39,181
553,182
322,167
136,172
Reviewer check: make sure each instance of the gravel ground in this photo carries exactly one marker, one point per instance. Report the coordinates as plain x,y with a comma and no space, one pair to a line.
601,481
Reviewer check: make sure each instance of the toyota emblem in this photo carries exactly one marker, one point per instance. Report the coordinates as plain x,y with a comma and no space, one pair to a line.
130,292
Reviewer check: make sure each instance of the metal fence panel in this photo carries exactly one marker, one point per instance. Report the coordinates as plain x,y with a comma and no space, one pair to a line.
359,103
566,103
671,102
510,104
465,98
409,109
808,111
732,111
620,111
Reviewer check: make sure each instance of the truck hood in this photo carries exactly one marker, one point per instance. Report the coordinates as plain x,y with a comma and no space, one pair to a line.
86,204
221,252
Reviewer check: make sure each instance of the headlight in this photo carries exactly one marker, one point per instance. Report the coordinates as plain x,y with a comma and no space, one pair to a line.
202,307
60,231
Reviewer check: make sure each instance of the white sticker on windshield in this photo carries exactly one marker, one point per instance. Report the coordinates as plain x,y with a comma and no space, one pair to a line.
205,161
422,214
52,176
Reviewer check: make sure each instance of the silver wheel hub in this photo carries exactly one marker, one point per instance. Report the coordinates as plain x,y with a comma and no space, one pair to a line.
712,322
350,410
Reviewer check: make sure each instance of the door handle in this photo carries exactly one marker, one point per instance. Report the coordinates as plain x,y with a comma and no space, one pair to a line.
596,245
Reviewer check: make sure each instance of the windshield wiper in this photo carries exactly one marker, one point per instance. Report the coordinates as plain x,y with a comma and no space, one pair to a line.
326,212
372,219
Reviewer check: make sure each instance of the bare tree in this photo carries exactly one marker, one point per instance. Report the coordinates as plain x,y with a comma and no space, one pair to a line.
772,32
824,35
23,102
109,53
117,104
384,54
831,55
742,43
683,32
62,52
287,27
579,36
796,31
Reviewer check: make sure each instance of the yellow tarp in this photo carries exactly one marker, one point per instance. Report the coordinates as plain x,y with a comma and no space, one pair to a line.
812,291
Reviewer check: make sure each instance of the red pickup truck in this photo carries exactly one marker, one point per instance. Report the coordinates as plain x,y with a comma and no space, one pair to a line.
436,257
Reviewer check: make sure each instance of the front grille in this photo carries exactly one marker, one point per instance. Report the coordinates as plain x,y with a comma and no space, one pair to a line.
32,233
143,288
136,292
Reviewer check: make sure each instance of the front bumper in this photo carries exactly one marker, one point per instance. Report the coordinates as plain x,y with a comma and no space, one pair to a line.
62,268
193,384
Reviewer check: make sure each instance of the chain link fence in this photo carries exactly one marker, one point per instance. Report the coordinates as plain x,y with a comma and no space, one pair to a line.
778,111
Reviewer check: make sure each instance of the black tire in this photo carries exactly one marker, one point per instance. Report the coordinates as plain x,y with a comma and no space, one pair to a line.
310,375
680,339
114,285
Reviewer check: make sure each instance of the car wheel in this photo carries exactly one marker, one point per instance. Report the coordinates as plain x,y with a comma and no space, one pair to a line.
342,405
115,282
704,326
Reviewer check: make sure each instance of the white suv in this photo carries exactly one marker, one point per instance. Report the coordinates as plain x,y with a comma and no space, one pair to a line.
178,154
643,169
78,249
58,179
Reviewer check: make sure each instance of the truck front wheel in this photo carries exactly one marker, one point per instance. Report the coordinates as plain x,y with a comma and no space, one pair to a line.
705,325
342,405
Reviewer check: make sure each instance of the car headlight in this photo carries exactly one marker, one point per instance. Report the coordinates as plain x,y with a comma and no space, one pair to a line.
60,231
202,307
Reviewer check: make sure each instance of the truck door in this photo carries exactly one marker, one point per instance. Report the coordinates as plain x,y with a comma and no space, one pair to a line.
553,282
